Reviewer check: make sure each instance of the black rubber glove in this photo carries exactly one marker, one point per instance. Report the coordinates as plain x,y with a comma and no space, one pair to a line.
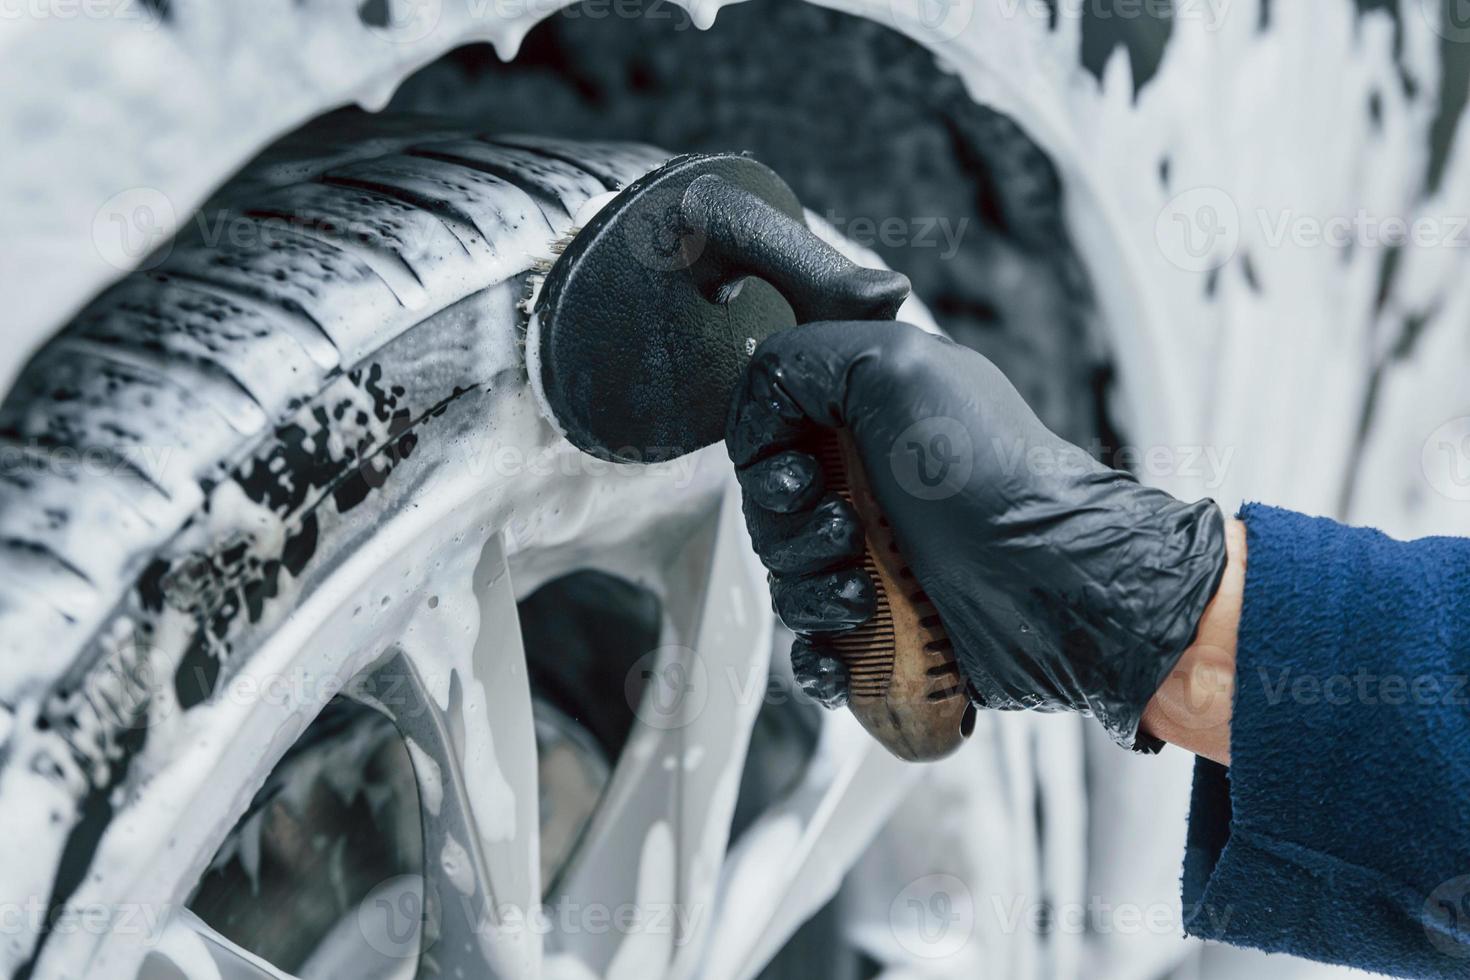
1065,585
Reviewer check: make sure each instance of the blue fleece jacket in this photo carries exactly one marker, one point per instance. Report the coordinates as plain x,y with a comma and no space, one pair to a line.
1341,830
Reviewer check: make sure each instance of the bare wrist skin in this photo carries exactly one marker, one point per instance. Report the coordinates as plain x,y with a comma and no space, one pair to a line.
1191,709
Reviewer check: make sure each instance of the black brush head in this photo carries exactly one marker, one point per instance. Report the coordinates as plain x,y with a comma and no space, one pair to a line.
646,320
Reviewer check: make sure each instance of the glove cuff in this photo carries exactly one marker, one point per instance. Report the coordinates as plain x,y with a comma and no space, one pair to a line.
1181,572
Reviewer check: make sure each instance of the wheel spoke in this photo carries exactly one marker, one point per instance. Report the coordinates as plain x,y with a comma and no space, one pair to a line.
501,685
651,858
732,625
790,862
479,885
189,947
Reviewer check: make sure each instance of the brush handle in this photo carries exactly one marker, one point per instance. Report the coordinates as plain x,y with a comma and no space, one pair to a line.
905,686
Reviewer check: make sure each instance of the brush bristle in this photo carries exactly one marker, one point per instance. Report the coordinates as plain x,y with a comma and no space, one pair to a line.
539,269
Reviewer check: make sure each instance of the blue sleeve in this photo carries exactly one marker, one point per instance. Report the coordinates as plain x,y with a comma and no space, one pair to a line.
1341,830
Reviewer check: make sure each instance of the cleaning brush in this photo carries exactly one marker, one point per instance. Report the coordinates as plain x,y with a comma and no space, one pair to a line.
637,333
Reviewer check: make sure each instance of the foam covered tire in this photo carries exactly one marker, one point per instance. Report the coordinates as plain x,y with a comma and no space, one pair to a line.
212,434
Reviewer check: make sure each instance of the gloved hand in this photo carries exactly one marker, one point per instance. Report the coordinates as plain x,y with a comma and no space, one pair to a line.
1064,585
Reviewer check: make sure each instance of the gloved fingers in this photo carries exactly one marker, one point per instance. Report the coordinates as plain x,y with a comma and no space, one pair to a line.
828,536
821,675
827,602
763,419
803,378
787,482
